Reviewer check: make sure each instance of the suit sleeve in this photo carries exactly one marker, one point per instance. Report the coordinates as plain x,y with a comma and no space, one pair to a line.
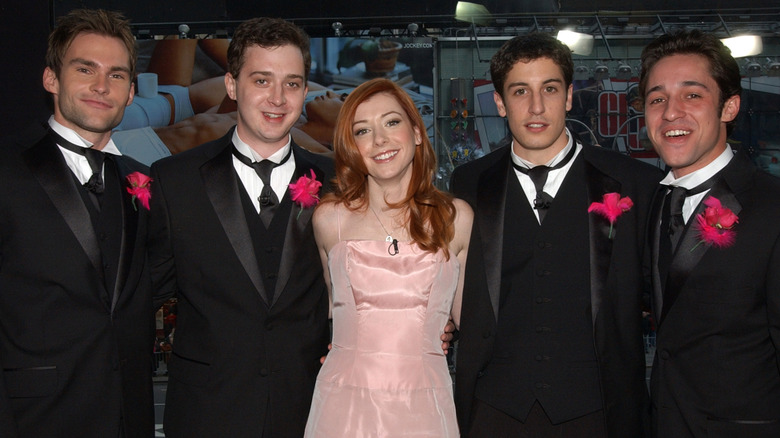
773,298
7,422
161,263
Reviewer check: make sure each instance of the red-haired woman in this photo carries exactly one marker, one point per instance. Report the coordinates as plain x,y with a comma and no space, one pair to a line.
393,248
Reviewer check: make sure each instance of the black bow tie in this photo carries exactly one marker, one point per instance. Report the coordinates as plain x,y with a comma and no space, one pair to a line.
538,175
267,199
94,157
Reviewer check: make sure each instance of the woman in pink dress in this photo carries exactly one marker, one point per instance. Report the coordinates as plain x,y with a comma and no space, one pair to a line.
393,248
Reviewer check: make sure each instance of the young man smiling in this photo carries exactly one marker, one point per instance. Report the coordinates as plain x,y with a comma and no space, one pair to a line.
550,335
75,292
716,283
229,242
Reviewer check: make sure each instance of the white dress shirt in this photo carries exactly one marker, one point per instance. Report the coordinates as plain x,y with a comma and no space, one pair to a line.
78,163
695,178
280,175
554,177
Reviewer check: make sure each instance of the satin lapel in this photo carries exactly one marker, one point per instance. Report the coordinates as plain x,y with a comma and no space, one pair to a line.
491,203
601,244
221,182
296,235
654,240
46,163
688,254
129,229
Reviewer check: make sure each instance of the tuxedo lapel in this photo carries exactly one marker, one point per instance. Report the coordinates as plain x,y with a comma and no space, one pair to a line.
655,235
601,243
491,203
690,251
129,228
47,165
296,235
221,182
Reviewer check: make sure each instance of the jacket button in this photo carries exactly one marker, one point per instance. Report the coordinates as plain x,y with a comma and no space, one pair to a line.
263,372
665,354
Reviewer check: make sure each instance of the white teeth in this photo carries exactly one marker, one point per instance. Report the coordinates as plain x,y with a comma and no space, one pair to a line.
535,125
273,116
386,155
676,133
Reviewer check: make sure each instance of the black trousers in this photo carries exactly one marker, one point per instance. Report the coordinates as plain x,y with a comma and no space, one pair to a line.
487,421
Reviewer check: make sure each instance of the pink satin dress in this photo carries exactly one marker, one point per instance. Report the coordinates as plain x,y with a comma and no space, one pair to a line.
386,375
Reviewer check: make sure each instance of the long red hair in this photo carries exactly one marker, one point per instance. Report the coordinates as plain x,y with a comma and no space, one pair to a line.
430,211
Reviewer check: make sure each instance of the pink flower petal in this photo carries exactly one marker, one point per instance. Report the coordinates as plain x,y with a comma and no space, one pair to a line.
612,206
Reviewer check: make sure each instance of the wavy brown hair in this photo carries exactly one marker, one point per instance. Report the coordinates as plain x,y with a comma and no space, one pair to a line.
267,33
90,21
430,211
724,69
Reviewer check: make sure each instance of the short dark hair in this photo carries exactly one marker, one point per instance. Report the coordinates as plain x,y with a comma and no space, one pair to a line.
528,48
723,67
95,21
267,33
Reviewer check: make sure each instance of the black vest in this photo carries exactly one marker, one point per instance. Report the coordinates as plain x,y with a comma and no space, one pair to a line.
268,243
107,223
544,348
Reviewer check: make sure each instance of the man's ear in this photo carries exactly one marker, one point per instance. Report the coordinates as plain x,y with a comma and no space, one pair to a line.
499,104
50,81
730,109
230,85
131,95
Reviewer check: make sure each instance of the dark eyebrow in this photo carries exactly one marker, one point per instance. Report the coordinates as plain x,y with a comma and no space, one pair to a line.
271,74
684,83
525,84
93,64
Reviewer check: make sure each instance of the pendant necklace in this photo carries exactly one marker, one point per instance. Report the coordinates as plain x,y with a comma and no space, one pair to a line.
392,249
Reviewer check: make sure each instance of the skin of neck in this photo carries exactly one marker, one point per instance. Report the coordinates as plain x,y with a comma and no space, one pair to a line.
379,195
539,157
99,140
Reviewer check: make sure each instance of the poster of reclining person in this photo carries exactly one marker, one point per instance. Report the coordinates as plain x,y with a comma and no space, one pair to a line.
181,101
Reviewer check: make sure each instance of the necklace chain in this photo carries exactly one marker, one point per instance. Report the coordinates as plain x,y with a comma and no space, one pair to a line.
389,237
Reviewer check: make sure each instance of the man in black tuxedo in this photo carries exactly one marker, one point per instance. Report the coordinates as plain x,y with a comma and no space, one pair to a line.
550,336
76,310
239,254
716,290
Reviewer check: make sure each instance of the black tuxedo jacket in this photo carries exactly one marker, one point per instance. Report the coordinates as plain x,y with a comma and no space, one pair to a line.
241,364
75,353
717,366
616,280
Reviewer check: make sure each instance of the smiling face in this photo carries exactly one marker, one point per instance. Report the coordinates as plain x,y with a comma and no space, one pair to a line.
535,100
386,138
269,93
93,88
682,116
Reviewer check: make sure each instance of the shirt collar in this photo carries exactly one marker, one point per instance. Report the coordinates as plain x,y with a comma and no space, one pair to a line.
555,160
73,137
697,177
244,149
